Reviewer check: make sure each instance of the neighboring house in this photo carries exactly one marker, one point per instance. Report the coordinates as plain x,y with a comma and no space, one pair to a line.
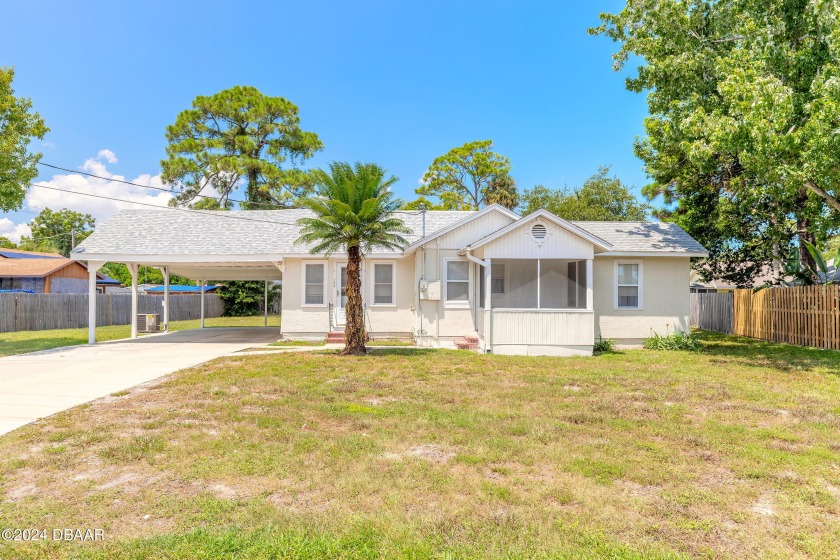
522,285
699,286
46,273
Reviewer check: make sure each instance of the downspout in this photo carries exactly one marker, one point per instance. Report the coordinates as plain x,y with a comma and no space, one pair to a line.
487,335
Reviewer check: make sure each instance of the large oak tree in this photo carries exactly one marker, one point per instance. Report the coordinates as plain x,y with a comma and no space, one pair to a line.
742,135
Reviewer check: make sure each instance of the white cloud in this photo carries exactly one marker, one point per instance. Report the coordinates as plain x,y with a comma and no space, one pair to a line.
64,188
107,155
12,230
73,191
58,196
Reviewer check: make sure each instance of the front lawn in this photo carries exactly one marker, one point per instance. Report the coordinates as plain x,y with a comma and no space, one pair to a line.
732,452
31,341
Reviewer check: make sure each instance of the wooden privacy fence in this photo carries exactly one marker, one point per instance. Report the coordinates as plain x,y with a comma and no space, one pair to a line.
803,315
712,312
37,312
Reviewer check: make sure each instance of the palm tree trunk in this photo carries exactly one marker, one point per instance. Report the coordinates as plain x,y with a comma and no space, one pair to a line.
354,328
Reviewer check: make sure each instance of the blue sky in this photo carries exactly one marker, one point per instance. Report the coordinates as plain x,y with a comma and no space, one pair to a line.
398,83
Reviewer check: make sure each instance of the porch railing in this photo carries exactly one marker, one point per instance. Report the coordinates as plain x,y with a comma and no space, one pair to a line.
541,327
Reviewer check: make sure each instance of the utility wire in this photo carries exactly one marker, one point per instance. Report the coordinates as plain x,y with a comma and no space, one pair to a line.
214,213
162,189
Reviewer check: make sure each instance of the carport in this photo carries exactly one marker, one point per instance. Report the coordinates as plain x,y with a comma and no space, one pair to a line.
199,245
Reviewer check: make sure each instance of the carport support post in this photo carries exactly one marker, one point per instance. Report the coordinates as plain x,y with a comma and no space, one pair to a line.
93,267
132,269
166,298
265,322
202,303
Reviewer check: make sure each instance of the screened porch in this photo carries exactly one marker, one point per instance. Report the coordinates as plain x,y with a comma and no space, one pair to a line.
535,303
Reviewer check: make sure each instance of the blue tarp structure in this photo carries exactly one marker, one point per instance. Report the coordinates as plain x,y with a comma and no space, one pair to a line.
16,255
17,291
182,289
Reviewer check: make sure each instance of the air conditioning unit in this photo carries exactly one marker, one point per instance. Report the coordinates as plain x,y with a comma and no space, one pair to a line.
148,322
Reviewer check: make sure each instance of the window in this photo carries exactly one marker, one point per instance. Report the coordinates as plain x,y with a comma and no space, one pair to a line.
383,284
628,285
457,282
497,279
313,284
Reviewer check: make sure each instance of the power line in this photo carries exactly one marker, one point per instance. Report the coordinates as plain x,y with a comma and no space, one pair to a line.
162,189
176,208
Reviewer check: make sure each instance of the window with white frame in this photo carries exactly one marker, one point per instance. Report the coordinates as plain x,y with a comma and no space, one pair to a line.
497,279
628,285
313,283
383,284
457,282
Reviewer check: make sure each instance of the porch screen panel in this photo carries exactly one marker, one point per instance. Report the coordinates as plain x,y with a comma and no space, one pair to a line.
520,284
554,292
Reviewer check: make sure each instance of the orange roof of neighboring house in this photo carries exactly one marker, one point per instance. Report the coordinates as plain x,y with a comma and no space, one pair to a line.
20,251
32,267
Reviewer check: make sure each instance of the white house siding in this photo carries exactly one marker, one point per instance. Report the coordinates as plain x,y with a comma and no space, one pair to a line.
558,244
471,231
313,322
542,332
442,324
395,320
298,321
665,299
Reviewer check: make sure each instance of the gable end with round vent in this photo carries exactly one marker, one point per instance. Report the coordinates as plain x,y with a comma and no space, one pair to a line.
539,232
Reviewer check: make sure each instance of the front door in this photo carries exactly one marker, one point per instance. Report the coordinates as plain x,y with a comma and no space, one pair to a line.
340,295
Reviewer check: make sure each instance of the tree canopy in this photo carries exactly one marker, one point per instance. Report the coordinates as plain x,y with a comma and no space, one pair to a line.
600,198
469,177
744,106
18,126
236,135
6,243
52,230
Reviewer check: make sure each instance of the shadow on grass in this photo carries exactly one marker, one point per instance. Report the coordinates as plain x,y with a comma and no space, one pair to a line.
762,353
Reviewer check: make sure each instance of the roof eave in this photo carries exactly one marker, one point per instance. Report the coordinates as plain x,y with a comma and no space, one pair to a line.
467,219
654,254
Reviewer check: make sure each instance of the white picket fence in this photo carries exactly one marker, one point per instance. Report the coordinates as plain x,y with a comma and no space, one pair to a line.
37,312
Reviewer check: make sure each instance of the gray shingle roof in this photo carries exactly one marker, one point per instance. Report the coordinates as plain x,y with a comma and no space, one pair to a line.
168,231
648,237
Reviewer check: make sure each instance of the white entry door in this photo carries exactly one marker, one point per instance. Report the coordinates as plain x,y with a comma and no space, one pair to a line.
340,295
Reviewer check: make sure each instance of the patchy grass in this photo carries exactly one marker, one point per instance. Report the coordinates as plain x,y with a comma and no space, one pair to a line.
389,342
32,341
299,343
729,452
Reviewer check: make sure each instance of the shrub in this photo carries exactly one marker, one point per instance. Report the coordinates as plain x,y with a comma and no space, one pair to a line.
676,340
604,345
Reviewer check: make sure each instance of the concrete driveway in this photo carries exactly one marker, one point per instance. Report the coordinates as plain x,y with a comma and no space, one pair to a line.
42,383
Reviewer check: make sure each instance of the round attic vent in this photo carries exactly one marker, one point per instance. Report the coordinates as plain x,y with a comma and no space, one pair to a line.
538,232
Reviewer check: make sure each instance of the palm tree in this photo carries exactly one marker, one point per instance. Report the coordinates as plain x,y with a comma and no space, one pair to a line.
353,210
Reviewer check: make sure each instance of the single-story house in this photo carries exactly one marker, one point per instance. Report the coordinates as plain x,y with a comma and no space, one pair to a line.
46,273
535,284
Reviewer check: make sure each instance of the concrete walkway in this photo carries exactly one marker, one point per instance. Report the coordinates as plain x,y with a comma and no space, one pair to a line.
42,383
